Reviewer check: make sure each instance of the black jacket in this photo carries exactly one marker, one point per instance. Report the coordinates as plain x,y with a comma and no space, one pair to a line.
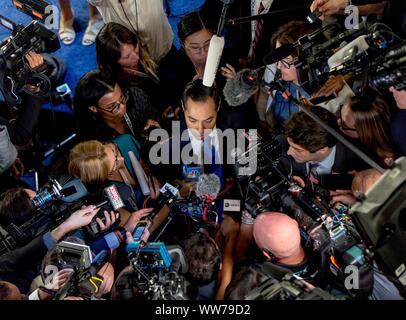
172,171
20,130
345,160
21,265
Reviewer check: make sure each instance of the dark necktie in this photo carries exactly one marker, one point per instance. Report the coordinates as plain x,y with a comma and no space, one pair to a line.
213,165
258,29
313,176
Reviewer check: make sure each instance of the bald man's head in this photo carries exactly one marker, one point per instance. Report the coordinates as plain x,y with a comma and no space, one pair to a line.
278,233
364,180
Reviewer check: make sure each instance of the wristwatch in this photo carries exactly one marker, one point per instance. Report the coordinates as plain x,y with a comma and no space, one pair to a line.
246,218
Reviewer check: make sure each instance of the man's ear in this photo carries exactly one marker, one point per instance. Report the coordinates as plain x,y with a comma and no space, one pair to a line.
93,109
266,255
323,151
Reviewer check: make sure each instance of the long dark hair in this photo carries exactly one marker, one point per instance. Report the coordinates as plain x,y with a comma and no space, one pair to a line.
191,23
108,49
89,90
372,121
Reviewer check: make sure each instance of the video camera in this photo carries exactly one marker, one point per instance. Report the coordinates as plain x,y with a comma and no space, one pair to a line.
16,76
84,281
157,273
55,203
283,285
330,230
371,54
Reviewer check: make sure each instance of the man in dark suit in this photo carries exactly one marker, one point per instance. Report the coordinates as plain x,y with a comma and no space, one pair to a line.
316,152
200,144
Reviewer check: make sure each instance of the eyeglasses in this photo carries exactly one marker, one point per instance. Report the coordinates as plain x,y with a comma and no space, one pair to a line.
286,64
196,49
114,107
341,123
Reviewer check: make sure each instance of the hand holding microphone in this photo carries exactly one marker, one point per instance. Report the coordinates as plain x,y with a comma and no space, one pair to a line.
328,7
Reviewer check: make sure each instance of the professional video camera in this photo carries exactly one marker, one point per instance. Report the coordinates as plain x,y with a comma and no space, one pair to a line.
16,76
330,230
54,204
157,273
283,285
371,55
84,281
379,71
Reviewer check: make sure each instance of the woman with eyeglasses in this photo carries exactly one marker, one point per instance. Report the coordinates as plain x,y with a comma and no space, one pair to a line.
195,34
279,109
121,55
104,110
366,121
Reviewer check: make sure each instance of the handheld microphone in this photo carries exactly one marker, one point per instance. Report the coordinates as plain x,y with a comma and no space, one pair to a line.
240,88
213,59
139,172
167,196
115,196
208,186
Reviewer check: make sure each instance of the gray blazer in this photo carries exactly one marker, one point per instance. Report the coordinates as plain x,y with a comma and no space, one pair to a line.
8,152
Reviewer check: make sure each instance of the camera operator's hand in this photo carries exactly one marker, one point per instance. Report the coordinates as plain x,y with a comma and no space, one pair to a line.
151,123
17,169
35,60
228,71
59,279
110,219
343,196
333,85
328,7
299,181
136,217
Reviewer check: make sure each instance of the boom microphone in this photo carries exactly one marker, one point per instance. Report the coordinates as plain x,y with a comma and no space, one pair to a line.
240,88
280,53
115,196
139,172
213,59
209,185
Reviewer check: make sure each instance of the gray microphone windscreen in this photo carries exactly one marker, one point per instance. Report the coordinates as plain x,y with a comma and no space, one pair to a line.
208,185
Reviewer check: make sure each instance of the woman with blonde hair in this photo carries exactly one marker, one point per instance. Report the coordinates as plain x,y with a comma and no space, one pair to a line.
97,164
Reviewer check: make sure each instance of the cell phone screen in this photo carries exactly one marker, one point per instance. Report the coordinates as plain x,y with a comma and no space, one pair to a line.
139,231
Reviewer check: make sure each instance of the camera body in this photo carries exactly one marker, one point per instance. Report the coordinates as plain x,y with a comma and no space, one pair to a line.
15,72
157,273
74,254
